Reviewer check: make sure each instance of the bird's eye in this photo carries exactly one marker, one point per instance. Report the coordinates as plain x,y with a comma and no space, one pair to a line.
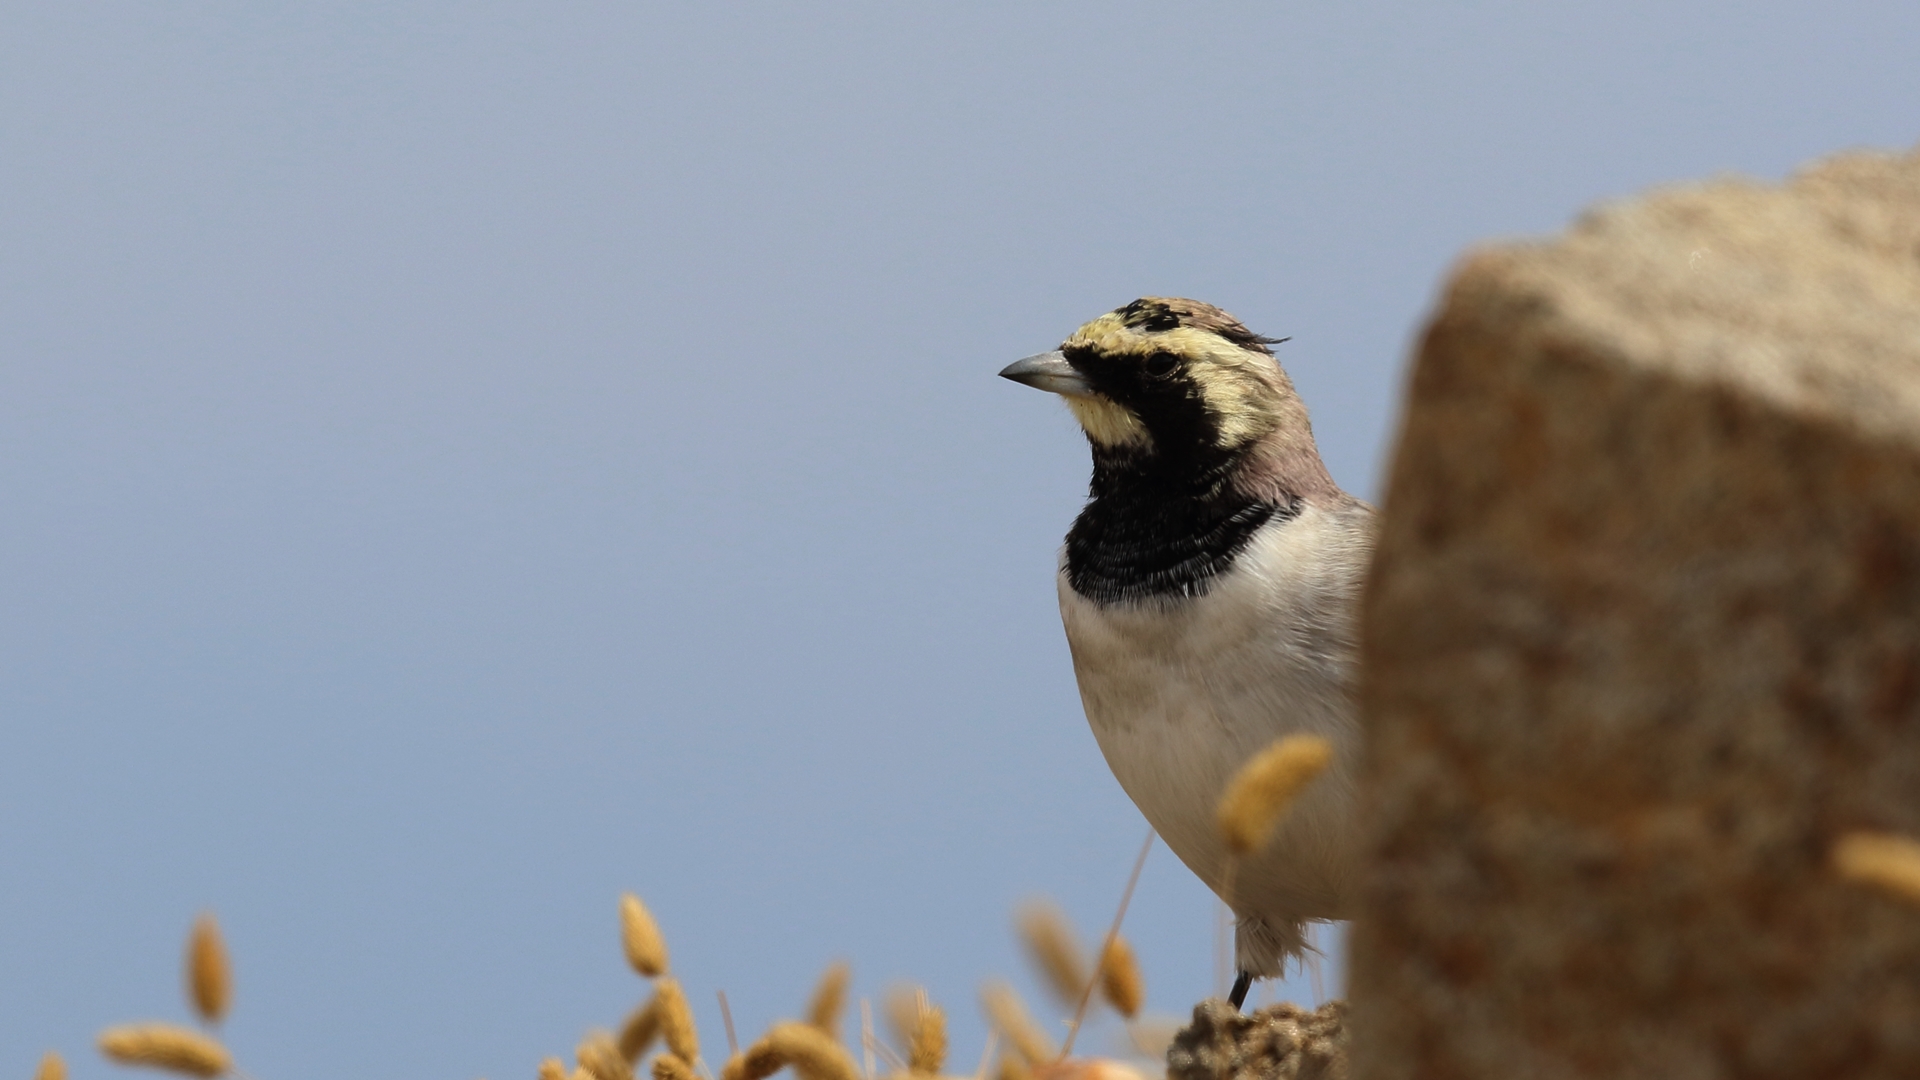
1160,365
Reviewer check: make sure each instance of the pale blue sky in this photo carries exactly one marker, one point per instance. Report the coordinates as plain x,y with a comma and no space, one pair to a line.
460,461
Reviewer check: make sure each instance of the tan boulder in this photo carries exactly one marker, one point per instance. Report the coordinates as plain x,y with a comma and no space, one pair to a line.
1643,640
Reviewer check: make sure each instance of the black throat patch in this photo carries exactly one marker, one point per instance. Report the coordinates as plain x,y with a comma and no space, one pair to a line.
1147,532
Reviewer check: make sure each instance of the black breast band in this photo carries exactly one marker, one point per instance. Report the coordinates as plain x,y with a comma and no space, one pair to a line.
1135,540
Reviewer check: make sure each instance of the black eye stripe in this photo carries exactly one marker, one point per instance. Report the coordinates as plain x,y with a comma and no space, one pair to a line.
1161,364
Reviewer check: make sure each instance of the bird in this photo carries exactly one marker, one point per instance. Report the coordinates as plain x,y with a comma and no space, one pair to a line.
1209,589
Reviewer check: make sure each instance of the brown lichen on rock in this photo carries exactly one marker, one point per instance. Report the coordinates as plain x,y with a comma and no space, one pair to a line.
1643,639
1279,1042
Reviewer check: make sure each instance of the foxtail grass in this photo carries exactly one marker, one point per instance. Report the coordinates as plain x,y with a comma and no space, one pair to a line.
1884,862
927,1046
1265,787
1054,950
640,936
166,1046
830,998
602,1058
1120,980
1015,1024
209,975
676,1019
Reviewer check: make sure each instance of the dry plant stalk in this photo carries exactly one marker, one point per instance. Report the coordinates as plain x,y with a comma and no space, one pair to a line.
52,1067
600,1056
673,1067
676,1019
166,1046
927,1046
1010,1018
1263,789
209,976
1055,950
1881,861
553,1069
641,1028
646,949
830,998
1120,981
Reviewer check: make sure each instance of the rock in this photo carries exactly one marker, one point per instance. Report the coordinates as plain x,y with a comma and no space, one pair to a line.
1643,639
1279,1042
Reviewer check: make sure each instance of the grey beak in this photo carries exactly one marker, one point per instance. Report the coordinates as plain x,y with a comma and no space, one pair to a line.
1048,371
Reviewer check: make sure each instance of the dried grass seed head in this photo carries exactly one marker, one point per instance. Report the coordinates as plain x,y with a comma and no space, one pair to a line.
166,1046
601,1057
1886,862
1054,950
812,1053
927,1048
673,1067
1009,1016
1120,981
640,935
830,998
552,1068
676,1019
209,975
52,1067
1263,789
641,1028
757,1063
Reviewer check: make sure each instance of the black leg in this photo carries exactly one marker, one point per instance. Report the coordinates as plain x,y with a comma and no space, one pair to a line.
1240,987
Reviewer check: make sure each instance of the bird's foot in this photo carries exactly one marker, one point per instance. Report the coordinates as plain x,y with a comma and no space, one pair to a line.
1238,995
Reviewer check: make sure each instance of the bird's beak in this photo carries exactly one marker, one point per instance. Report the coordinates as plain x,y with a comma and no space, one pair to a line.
1048,371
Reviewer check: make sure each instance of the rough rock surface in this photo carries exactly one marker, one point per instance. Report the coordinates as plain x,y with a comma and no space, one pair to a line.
1642,638
1279,1042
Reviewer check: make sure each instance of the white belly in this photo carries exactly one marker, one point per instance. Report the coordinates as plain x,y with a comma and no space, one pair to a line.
1181,693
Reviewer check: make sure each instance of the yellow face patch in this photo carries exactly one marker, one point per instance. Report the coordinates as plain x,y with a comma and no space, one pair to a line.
1236,385
1109,423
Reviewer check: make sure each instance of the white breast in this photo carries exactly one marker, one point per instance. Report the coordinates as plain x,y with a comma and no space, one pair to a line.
1180,693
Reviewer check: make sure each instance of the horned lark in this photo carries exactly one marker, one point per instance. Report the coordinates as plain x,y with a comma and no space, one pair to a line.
1209,591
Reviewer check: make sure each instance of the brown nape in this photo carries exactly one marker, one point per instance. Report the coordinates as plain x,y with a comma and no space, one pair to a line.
1156,313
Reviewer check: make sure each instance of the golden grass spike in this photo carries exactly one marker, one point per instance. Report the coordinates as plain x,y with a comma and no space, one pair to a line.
1120,981
673,1067
646,949
553,1069
813,1054
1885,862
52,1067
166,1046
601,1057
1012,1067
209,976
927,1049
676,1019
1055,951
1010,1018
830,998
757,1063
641,1028
1263,789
